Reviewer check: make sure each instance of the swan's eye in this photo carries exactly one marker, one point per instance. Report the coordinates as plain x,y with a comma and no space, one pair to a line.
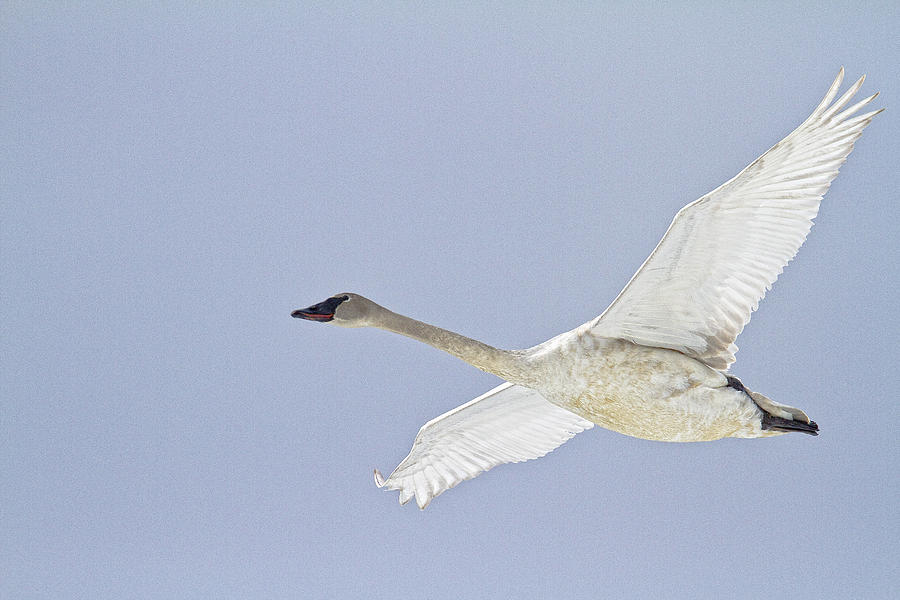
344,298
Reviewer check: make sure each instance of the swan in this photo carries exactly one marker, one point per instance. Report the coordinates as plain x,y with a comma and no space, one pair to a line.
654,364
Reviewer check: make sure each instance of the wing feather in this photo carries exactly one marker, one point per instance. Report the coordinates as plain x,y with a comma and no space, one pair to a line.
508,424
722,253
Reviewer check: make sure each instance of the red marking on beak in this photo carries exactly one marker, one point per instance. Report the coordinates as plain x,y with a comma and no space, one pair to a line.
312,316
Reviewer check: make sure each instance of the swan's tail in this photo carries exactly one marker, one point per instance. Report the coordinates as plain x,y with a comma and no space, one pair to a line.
777,417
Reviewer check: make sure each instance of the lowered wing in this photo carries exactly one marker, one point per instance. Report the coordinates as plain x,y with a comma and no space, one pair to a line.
510,423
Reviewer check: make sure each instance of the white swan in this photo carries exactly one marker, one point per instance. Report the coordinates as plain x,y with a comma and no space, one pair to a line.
653,364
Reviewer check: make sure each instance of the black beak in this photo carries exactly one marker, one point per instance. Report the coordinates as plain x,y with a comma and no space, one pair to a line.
323,311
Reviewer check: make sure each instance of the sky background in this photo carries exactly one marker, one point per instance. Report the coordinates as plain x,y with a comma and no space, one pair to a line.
175,180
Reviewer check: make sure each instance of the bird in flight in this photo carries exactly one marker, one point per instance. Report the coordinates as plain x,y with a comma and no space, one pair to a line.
655,364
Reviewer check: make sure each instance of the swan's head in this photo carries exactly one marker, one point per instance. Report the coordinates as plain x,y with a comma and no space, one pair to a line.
346,310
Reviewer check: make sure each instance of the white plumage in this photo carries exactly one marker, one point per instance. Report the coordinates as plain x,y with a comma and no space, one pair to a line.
510,423
722,252
653,364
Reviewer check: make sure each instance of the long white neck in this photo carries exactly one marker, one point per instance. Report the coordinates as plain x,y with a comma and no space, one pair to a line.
511,365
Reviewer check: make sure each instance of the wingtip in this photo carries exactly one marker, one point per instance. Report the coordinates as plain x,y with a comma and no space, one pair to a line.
379,479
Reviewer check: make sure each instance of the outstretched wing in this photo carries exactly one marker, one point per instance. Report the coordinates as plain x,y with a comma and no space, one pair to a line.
510,423
720,255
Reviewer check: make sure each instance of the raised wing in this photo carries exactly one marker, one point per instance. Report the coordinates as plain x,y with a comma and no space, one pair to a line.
510,423
720,255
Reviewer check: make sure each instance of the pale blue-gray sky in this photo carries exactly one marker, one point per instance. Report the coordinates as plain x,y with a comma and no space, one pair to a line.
175,180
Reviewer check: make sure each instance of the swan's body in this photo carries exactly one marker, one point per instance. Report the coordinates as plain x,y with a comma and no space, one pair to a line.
650,393
653,364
